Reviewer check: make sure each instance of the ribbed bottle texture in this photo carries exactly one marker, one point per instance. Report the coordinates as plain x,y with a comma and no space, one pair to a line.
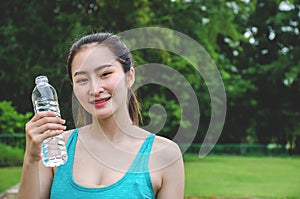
44,98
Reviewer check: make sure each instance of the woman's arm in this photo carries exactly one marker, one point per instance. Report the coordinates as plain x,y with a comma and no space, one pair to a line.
29,185
36,179
167,160
172,181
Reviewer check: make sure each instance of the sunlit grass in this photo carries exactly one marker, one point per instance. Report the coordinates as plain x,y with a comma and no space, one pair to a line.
224,176
9,176
232,176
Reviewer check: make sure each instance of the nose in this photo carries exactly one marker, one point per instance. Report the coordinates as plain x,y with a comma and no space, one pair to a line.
96,87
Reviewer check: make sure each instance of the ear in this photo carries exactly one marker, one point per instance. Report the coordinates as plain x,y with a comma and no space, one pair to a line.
130,77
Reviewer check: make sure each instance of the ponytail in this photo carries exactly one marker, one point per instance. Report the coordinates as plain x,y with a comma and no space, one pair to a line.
134,108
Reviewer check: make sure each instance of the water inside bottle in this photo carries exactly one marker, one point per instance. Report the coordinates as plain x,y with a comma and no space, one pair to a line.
53,149
47,105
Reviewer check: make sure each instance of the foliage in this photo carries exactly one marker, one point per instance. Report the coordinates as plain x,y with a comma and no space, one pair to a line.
10,156
255,45
268,63
255,150
10,120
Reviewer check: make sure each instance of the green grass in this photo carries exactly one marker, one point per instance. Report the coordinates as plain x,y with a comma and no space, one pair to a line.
9,176
224,176
233,176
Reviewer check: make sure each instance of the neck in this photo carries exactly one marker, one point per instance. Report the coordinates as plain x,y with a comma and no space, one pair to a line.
112,127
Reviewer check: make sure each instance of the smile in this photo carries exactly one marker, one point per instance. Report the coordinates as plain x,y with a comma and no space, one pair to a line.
100,102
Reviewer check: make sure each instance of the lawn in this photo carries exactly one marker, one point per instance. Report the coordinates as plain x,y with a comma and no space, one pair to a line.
224,176
8,177
243,177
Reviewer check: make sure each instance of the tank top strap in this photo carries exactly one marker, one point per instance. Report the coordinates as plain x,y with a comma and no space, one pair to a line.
72,139
140,163
71,144
147,145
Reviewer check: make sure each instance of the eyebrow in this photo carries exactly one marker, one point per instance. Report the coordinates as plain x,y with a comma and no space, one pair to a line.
96,70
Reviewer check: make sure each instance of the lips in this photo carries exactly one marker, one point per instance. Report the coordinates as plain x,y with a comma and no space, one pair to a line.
100,102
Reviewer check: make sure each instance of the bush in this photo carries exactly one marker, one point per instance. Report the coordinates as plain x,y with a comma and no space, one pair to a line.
10,156
10,120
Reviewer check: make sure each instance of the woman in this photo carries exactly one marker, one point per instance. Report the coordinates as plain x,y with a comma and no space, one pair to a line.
109,156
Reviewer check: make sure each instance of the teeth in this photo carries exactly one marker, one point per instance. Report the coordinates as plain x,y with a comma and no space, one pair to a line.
101,101
98,102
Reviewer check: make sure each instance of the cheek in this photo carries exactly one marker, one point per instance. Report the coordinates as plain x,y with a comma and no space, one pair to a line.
118,85
79,92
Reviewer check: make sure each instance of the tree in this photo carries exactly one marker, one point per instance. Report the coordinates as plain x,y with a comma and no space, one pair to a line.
269,61
255,45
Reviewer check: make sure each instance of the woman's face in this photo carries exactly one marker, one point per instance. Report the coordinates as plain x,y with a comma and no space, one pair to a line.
99,81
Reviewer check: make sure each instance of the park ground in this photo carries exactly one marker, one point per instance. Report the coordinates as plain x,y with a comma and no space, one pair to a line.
223,177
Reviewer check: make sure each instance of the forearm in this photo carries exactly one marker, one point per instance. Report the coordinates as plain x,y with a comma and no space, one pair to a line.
36,179
29,184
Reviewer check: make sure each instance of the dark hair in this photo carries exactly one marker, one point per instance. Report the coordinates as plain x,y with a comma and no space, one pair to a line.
120,50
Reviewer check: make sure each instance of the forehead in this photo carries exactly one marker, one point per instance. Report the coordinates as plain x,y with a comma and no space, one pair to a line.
91,56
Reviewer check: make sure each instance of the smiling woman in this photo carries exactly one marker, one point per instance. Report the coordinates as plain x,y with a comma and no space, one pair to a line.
113,52
109,155
101,90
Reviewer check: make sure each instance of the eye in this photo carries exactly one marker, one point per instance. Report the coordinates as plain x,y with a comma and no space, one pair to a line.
81,81
105,74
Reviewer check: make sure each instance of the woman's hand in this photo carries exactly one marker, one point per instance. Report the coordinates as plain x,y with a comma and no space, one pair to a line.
41,126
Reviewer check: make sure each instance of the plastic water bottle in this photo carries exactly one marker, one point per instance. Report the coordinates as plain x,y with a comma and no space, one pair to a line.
44,98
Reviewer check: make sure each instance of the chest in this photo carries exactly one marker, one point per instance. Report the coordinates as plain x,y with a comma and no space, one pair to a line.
102,168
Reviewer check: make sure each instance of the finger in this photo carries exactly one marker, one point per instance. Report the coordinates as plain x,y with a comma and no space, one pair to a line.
51,133
43,125
38,139
44,120
42,114
49,126
32,132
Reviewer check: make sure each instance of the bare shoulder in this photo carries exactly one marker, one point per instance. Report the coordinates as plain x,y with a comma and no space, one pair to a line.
169,167
161,145
165,143
164,153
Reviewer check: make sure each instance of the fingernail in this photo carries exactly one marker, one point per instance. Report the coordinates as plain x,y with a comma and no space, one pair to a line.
60,131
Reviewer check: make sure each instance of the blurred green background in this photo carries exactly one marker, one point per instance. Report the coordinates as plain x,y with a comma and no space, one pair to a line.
254,43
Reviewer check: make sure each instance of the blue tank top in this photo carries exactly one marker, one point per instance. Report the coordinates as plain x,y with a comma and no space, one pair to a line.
135,184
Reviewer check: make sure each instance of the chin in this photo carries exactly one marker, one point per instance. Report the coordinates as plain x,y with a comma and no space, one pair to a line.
103,116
